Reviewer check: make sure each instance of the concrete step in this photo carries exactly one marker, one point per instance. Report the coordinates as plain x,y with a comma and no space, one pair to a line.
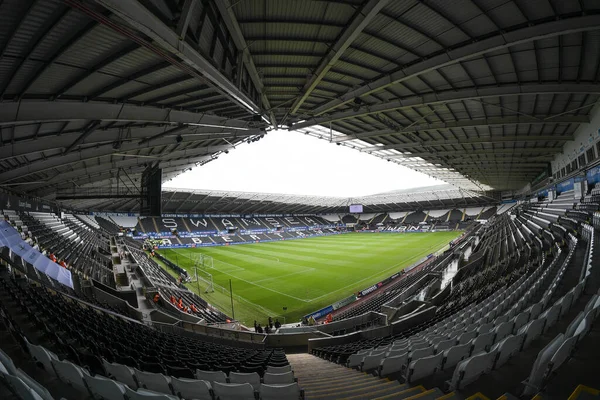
307,382
351,387
388,393
323,380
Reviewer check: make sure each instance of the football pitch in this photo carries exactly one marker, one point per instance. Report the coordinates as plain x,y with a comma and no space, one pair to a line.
302,275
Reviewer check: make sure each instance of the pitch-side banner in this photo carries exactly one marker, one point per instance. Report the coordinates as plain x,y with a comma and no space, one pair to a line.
321,313
9,237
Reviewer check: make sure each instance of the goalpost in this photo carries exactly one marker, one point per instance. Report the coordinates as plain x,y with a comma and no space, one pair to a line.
201,264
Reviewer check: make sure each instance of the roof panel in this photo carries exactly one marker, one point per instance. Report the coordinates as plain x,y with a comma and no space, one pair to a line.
505,14
94,47
132,62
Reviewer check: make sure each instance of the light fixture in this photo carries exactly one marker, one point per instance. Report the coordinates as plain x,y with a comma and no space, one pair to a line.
216,126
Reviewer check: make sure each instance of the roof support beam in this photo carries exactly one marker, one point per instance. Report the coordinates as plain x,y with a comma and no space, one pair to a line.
27,112
451,96
106,171
359,22
488,152
228,15
92,126
86,74
57,142
475,48
168,132
467,141
576,119
184,19
106,150
121,81
142,19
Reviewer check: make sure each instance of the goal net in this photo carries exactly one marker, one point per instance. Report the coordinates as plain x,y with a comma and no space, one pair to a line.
201,276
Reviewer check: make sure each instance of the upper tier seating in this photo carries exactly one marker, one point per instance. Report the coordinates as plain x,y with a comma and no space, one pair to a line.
107,225
91,221
124,222
83,249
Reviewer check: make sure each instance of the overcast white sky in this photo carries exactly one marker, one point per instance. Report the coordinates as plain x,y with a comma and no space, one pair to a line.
293,163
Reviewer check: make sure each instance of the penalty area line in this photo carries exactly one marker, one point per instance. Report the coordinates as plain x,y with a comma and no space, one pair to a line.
252,283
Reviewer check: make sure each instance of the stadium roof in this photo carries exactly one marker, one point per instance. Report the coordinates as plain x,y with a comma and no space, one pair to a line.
481,94
187,201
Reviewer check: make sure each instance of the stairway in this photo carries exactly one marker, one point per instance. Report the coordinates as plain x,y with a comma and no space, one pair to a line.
322,380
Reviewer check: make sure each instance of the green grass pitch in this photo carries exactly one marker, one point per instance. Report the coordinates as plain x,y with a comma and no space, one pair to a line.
303,275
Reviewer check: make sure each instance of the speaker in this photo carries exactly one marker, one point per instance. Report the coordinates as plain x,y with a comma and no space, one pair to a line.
151,185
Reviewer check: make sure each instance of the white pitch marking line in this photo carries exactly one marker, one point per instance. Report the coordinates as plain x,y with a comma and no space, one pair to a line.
237,268
362,280
261,286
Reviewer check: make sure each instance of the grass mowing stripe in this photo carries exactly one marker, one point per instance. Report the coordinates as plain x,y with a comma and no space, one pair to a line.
308,274
255,284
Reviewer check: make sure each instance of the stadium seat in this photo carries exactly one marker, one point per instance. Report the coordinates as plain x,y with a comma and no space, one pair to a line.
420,353
191,388
485,328
369,362
143,394
520,320
585,326
42,357
7,362
562,354
212,376
152,381
444,345
392,365
551,315
535,310
278,370
278,392
423,367
71,374
592,305
483,342
506,348
395,352
469,370
356,359
532,330
419,345
565,304
103,388
233,391
22,389
574,325
455,354
534,382
40,390
466,337
279,379
503,330
121,373
253,378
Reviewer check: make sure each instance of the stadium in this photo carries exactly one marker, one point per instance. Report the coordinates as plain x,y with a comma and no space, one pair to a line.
437,242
